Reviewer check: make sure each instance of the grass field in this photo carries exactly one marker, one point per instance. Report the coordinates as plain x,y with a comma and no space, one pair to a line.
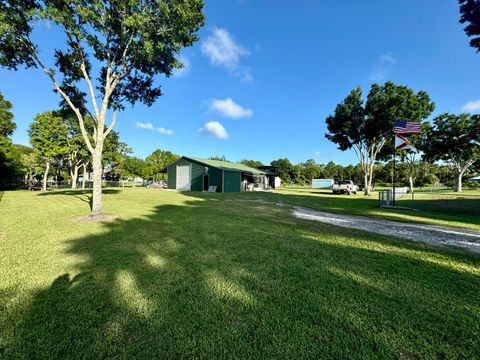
200,275
437,208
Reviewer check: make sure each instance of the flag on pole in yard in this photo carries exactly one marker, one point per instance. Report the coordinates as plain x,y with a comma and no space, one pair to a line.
406,127
402,143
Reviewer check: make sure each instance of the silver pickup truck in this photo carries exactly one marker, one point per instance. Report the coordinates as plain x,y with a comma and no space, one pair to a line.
344,187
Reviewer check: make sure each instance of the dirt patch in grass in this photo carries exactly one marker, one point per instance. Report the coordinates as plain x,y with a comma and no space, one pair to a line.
97,218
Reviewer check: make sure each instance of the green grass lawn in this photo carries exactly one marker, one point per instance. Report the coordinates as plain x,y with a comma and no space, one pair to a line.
210,276
438,208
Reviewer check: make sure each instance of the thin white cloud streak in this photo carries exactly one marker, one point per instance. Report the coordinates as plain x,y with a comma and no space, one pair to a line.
146,125
215,129
383,68
149,126
472,107
223,51
164,131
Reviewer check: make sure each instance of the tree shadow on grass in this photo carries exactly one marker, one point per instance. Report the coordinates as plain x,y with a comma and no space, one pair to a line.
212,280
82,195
465,210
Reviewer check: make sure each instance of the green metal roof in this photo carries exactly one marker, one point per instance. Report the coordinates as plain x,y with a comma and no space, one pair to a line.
227,166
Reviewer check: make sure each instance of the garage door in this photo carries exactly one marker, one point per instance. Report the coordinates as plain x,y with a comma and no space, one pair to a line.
184,182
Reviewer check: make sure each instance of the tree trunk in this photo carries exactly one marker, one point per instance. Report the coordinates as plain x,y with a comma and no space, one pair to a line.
97,180
74,176
45,176
84,179
366,189
370,179
459,182
410,184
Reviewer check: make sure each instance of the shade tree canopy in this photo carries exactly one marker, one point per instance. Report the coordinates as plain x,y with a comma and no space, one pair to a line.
48,136
470,17
157,161
454,139
7,126
367,127
251,163
114,49
283,168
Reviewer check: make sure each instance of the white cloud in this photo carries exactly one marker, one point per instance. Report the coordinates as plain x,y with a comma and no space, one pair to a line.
223,51
149,126
164,131
383,68
215,129
142,125
230,109
388,58
472,107
182,72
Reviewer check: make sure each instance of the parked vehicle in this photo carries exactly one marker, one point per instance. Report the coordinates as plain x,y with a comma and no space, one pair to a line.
344,187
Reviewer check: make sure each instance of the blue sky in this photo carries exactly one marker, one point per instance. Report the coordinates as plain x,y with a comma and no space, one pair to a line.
265,75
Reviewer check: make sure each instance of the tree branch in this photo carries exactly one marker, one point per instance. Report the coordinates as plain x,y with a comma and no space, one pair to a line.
65,96
112,124
83,68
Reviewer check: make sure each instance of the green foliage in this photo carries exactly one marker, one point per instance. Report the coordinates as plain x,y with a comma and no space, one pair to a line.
469,11
10,169
251,163
48,135
157,161
194,276
7,126
219,158
355,125
134,39
368,128
133,167
32,163
454,139
283,168
116,48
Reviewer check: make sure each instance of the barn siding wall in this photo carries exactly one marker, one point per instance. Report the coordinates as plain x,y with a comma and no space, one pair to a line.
172,176
215,178
232,181
197,176
172,173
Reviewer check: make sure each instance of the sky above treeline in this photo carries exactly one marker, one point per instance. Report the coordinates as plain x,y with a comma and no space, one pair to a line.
265,74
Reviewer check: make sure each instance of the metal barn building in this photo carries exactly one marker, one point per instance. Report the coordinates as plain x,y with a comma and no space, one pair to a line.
195,174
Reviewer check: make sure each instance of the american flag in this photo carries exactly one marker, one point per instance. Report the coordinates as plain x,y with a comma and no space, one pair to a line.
406,127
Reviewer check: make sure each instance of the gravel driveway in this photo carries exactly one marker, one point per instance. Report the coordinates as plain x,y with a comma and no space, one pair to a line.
431,234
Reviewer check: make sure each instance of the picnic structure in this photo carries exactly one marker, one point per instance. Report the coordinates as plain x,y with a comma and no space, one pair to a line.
196,174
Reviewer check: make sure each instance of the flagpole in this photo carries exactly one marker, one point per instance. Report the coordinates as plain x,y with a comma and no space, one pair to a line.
394,166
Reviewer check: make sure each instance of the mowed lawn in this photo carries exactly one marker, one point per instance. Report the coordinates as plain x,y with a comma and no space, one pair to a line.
438,207
214,276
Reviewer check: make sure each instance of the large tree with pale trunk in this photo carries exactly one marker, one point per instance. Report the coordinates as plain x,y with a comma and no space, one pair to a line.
455,140
114,49
367,127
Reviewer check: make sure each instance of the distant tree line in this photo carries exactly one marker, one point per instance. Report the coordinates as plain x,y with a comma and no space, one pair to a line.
367,128
449,145
422,172
58,153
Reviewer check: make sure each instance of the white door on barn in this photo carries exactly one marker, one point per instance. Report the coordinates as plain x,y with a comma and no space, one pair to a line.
184,181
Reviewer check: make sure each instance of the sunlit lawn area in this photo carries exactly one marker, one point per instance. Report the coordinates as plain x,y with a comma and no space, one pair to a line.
437,207
225,276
